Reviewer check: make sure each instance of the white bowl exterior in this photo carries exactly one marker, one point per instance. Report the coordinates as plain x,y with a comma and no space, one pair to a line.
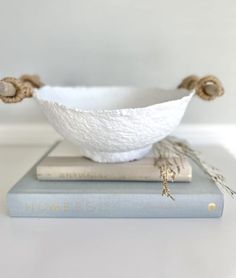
102,133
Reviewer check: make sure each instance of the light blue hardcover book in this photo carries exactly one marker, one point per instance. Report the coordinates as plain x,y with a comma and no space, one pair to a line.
33,198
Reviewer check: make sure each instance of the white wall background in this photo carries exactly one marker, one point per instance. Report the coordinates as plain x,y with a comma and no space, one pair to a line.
121,42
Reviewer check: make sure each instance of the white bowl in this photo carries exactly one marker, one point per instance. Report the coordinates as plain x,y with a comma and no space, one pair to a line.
113,124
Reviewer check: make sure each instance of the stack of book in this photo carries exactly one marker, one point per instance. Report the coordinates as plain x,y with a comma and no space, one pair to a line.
65,184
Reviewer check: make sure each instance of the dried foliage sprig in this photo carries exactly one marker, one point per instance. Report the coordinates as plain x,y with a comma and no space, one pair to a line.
172,146
167,173
166,161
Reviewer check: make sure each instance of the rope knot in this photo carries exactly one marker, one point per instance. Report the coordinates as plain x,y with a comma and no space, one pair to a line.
14,90
207,88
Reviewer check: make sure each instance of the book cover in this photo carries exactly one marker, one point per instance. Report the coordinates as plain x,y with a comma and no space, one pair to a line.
33,198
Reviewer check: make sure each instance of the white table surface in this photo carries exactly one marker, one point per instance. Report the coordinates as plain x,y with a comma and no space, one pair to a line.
112,247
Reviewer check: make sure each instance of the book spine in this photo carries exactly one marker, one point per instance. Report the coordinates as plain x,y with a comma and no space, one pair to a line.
114,205
117,176
108,173
78,169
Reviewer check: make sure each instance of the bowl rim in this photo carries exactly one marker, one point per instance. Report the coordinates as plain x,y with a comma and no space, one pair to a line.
36,96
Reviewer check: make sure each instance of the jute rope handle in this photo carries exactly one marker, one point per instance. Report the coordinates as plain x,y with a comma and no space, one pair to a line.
14,90
207,88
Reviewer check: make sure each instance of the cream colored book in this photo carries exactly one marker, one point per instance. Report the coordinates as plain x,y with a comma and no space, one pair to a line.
65,162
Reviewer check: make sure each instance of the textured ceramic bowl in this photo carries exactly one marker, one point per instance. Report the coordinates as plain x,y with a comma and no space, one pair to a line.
113,124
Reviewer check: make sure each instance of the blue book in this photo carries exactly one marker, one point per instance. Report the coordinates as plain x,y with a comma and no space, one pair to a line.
110,199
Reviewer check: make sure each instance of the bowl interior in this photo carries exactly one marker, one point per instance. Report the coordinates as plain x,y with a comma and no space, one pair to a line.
107,98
